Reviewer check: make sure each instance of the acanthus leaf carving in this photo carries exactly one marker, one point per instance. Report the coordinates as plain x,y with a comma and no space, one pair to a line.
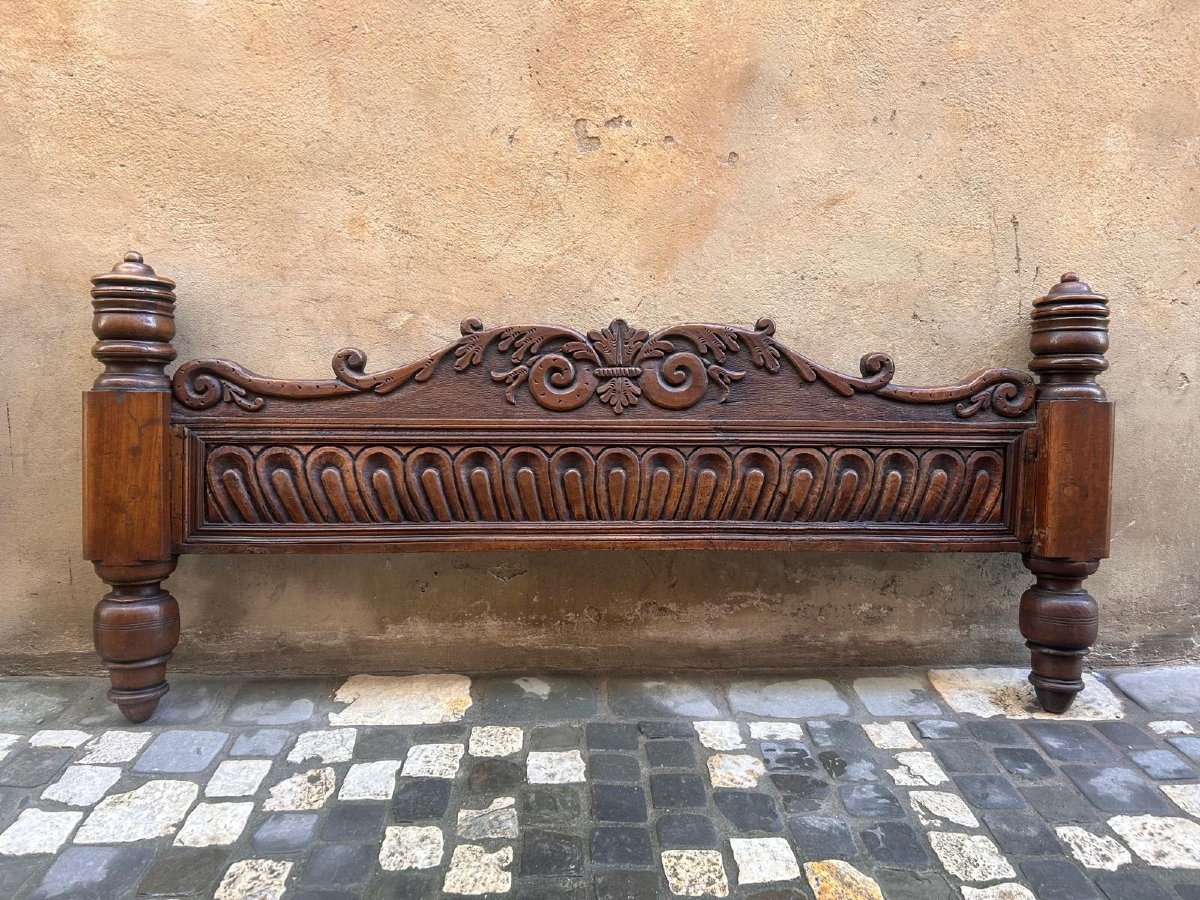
620,366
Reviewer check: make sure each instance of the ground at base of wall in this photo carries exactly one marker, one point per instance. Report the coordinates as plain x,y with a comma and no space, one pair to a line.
919,784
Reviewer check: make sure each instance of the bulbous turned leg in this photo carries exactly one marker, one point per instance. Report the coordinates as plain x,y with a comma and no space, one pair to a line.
1060,622
136,627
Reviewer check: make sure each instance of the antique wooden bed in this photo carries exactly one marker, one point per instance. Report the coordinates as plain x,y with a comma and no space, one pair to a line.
538,436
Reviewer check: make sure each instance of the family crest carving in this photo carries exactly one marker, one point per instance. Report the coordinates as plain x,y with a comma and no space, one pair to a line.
563,369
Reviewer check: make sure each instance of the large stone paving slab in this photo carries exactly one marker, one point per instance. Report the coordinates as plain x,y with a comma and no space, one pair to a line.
797,698
191,700
407,700
1007,692
897,695
540,698
1174,689
25,702
278,702
564,786
664,697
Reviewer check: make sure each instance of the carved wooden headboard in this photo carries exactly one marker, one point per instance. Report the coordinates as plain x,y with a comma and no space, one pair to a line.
544,437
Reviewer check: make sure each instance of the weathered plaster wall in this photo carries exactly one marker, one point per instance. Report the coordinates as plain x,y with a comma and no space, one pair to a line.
902,176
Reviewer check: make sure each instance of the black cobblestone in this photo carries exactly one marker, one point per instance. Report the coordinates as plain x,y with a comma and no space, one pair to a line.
683,830
618,803
672,791
748,811
670,754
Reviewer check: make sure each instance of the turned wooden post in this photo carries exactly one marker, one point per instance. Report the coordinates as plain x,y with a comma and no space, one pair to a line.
1059,618
126,496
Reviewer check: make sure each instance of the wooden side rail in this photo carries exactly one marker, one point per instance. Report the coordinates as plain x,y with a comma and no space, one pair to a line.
546,437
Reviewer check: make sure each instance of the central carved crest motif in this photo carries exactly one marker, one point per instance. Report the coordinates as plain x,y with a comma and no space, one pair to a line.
611,363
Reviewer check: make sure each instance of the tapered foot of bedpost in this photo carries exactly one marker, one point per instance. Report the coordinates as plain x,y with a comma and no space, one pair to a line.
1060,621
136,628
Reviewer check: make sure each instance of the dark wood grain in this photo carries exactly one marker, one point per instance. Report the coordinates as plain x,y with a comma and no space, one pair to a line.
1059,618
126,483
547,437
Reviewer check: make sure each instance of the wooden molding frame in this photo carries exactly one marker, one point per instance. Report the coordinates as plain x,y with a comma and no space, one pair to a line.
545,437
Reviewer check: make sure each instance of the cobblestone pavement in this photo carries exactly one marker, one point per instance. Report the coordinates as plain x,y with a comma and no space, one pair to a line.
900,785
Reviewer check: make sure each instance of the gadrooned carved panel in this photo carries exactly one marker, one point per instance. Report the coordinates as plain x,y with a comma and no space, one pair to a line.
251,484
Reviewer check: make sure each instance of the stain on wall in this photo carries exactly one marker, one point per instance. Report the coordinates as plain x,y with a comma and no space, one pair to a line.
900,177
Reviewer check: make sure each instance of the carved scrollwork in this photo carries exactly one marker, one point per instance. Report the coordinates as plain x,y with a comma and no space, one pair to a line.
285,485
619,366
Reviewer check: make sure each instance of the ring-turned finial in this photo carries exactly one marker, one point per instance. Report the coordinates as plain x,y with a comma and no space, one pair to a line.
134,321
1069,337
1070,285
132,264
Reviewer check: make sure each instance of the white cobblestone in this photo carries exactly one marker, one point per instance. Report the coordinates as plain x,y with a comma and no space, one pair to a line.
237,777
50,738
720,735
411,847
214,825
254,879
375,780
115,747
999,892
917,769
833,879
308,790
37,831
6,744
1185,796
153,810
891,736
935,808
554,767
776,731
495,740
433,760
330,746
970,857
761,860
1094,851
1167,842
475,871
82,785
735,770
695,873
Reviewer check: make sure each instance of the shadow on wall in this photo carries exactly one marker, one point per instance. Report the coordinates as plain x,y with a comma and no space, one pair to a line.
609,610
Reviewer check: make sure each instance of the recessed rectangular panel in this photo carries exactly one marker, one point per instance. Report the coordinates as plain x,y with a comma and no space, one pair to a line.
467,488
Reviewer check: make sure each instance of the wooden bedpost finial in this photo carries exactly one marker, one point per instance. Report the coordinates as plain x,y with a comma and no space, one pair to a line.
126,483
134,321
1070,335
1072,476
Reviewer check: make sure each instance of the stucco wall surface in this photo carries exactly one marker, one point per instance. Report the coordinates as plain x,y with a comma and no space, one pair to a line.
900,176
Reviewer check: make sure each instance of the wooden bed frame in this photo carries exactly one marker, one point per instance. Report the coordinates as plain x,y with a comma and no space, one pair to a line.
539,436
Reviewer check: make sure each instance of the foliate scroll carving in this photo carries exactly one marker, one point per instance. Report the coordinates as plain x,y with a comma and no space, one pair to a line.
561,369
280,485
